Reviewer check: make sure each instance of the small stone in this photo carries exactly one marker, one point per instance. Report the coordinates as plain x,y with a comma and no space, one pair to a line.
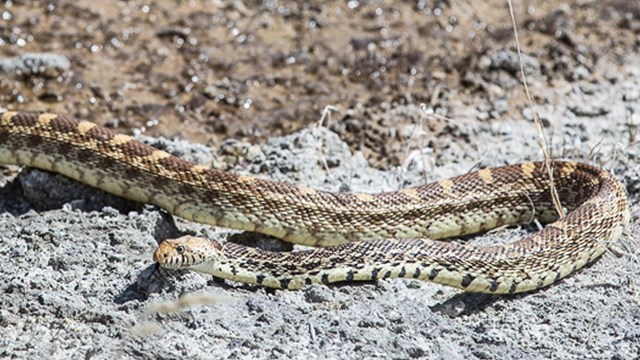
589,110
495,91
580,72
509,61
499,107
43,64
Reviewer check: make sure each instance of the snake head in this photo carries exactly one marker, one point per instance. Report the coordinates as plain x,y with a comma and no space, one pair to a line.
185,252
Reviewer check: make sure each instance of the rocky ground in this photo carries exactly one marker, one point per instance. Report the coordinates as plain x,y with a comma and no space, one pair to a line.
422,91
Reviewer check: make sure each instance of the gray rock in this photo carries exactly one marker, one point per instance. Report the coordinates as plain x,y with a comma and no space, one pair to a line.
42,64
509,61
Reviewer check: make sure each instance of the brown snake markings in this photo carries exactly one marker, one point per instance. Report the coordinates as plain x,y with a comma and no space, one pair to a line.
596,201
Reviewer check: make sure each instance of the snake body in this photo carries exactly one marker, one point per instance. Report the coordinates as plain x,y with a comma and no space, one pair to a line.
402,228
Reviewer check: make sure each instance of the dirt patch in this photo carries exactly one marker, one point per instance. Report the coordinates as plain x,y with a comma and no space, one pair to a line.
208,71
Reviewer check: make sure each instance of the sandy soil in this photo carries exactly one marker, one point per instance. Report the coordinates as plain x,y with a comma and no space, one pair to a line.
77,279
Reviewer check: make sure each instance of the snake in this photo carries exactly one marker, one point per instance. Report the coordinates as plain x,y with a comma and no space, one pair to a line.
357,236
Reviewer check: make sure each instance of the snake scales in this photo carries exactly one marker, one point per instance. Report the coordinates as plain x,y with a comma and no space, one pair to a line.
597,207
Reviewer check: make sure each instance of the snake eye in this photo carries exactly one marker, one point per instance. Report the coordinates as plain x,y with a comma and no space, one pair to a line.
180,249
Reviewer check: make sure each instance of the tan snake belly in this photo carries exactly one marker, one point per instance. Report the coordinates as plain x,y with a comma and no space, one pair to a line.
596,201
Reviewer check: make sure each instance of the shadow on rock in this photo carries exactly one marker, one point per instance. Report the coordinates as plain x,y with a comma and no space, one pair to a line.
464,304
151,280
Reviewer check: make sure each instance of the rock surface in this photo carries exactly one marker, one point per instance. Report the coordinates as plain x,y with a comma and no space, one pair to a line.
78,281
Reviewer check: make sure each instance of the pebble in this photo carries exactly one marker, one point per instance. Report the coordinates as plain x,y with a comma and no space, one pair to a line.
43,64
509,61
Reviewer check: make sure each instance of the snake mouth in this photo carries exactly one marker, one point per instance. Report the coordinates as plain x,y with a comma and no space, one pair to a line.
174,265
176,262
